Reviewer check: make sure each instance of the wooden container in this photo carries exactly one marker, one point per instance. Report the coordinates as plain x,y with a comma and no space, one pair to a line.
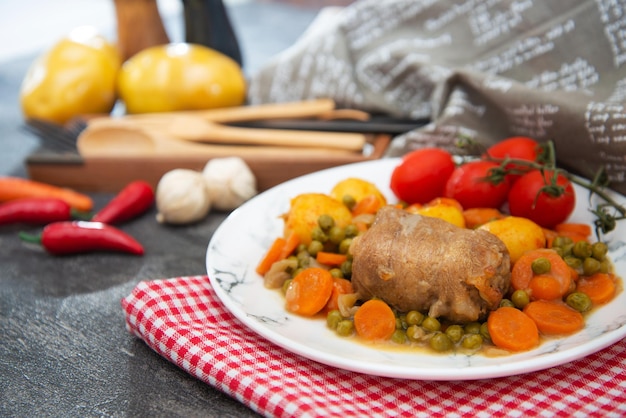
112,173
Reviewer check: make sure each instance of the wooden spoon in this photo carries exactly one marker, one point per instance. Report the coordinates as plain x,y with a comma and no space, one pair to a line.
201,130
128,141
289,110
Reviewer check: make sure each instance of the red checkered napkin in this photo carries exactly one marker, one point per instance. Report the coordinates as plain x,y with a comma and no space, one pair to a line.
184,321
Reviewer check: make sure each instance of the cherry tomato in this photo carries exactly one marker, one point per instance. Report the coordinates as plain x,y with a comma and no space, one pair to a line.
527,199
469,186
422,175
517,147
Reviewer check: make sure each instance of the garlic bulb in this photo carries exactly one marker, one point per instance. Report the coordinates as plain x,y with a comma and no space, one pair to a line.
182,197
230,182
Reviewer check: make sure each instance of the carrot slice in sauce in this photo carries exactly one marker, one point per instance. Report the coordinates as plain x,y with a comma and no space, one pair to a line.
374,320
600,287
554,317
512,329
309,291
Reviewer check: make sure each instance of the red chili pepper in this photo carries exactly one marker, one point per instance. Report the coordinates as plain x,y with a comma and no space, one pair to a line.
37,211
130,202
72,237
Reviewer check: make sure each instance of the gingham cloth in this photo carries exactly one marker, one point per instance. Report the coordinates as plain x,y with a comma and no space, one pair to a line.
183,320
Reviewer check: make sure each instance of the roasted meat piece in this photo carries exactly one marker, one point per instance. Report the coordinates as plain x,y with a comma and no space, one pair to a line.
415,262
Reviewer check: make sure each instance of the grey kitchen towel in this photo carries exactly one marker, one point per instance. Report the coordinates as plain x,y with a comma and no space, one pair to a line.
484,69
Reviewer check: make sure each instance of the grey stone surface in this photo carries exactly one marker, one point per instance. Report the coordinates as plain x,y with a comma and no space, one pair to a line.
64,349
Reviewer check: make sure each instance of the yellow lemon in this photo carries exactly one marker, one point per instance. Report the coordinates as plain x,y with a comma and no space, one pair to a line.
180,76
76,76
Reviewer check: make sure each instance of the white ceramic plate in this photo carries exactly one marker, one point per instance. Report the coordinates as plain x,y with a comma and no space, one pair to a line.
242,239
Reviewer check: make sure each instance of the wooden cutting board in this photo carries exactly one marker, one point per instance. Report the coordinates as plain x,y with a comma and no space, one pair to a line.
111,173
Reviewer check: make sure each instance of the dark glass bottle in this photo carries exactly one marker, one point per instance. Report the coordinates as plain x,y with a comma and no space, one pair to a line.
207,23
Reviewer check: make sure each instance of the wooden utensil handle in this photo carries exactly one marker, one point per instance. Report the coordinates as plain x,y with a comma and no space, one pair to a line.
280,137
139,26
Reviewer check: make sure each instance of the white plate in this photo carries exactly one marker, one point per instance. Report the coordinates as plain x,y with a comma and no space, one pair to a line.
242,239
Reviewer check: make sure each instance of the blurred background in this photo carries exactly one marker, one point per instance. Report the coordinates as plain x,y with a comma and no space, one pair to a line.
28,28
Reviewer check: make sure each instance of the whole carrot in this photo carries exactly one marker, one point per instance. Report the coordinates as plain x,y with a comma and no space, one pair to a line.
12,188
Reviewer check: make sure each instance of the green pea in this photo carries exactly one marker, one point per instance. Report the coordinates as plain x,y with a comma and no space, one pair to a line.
440,342
455,333
315,247
472,328
541,265
333,318
520,299
578,301
415,332
349,201
325,222
484,332
599,250
582,249
605,266
345,327
318,234
567,249
344,245
346,268
472,341
590,266
573,262
507,302
351,231
304,259
398,336
336,234
431,324
336,273
400,323
414,318
562,242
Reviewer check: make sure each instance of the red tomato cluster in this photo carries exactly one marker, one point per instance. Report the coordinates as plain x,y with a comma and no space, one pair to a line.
431,172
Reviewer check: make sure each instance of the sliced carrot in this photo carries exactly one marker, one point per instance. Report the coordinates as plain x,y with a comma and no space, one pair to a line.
291,243
575,228
512,329
309,291
340,287
554,317
545,286
330,259
271,256
476,217
369,204
374,320
522,272
12,188
600,287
